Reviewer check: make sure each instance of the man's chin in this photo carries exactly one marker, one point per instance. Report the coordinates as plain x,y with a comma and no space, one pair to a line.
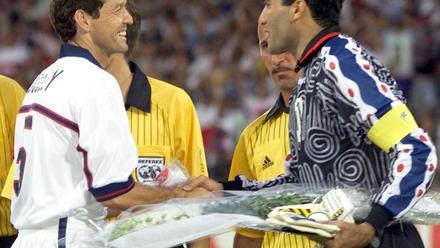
121,49
284,84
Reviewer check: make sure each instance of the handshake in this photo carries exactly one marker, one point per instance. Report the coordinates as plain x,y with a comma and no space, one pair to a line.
175,176
198,187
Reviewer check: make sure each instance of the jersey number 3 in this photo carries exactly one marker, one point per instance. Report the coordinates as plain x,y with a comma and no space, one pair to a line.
21,162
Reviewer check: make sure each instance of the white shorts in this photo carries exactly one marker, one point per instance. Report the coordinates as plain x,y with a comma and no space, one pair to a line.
69,233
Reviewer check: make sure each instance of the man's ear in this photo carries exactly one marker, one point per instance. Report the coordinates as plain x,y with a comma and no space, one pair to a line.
297,10
82,21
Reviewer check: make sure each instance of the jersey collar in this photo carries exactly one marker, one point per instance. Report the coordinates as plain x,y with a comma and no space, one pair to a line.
139,93
315,45
68,50
276,109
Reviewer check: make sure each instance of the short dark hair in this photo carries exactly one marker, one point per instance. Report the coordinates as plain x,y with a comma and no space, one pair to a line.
325,12
62,15
133,30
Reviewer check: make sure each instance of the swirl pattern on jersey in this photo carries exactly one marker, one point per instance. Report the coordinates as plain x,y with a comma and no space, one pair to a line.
321,145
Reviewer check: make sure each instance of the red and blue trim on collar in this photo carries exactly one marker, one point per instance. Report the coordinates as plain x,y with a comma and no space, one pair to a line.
315,46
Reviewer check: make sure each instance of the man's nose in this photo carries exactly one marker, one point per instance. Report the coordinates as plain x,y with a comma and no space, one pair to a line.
128,19
277,59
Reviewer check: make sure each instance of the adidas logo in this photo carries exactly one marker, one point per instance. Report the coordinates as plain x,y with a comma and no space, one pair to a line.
267,163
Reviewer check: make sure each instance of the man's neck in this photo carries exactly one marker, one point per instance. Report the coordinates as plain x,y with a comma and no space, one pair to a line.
121,71
100,56
310,31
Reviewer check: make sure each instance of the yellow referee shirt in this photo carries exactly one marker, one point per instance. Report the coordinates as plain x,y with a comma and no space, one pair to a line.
164,126
259,155
11,96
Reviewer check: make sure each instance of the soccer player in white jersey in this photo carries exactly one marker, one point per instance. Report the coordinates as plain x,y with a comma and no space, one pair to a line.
73,147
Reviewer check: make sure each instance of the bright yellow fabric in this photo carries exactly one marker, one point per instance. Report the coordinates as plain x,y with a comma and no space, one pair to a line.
170,130
11,96
391,128
9,182
259,155
261,149
286,240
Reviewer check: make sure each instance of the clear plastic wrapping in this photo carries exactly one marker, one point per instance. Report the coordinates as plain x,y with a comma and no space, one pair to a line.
182,220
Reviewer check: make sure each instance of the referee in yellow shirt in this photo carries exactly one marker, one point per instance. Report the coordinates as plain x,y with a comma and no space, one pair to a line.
264,144
11,96
162,118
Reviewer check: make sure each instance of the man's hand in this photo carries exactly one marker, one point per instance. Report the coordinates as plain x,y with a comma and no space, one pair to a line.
350,236
197,192
204,182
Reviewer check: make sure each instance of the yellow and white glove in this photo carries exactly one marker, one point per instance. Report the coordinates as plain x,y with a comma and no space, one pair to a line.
307,218
303,218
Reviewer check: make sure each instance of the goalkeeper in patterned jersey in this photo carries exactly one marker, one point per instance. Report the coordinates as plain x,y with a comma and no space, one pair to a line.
349,125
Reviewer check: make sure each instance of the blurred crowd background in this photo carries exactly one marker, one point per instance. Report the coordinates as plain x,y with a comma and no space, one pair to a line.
210,49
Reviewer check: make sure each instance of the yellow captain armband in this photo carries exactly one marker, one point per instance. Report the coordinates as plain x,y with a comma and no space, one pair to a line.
391,128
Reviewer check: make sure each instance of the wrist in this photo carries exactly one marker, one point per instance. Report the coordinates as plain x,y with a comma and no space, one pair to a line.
379,217
220,187
368,230
371,234
176,193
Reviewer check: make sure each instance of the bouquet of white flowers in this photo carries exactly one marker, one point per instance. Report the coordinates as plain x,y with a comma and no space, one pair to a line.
288,208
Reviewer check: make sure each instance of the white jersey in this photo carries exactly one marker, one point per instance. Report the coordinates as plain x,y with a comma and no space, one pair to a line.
73,145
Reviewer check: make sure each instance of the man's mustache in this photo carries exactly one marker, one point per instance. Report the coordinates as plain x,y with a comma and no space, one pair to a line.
281,69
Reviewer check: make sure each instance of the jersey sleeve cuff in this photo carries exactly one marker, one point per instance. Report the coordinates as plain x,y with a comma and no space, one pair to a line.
379,217
113,190
233,185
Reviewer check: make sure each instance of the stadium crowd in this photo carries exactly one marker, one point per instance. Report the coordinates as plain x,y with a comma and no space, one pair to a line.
210,49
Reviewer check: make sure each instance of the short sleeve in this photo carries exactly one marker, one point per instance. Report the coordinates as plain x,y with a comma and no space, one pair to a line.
107,147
